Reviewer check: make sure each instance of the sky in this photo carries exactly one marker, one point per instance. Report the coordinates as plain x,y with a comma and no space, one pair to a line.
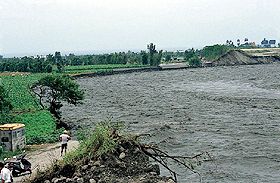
92,26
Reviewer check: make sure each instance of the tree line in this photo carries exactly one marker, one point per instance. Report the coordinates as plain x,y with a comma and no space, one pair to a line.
56,61
151,57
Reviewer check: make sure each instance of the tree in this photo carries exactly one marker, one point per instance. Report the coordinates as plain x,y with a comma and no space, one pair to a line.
52,90
168,58
154,56
5,106
215,51
189,54
194,61
59,61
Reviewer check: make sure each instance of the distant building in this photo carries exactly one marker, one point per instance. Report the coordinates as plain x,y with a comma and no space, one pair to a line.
272,43
268,43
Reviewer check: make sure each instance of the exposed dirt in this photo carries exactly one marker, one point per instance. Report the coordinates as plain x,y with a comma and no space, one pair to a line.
231,112
238,57
43,156
14,73
127,164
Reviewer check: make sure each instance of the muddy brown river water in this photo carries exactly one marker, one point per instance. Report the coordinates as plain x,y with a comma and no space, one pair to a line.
231,112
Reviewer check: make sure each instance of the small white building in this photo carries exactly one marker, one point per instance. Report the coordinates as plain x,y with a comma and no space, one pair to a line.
12,136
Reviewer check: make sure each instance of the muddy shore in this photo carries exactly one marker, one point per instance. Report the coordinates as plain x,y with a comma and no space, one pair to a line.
231,112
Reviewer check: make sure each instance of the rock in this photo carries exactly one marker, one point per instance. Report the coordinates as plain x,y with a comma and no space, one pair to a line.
80,180
77,174
59,180
161,181
136,150
69,180
92,181
75,178
153,173
142,178
47,181
85,167
122,149
170,181
122,155
97,163
92,168
102,166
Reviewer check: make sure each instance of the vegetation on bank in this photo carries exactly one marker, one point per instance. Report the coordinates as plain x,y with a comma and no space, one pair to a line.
57,62
214,52
98,68
101,138
55,89
106,155
40,124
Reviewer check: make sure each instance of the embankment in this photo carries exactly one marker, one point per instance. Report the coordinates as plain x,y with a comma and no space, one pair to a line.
238,57
116,71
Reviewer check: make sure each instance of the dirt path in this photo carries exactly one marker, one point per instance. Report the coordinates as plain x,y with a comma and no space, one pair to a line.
42,158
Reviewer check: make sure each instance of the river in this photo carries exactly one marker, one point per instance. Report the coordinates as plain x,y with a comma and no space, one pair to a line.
233,113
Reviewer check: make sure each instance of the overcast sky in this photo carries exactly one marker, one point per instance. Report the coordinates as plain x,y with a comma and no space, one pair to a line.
45,26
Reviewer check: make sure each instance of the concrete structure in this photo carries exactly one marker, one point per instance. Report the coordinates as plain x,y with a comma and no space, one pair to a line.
12,136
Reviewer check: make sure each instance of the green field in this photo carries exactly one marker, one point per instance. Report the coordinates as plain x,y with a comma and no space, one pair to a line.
18,90
40,125
97,68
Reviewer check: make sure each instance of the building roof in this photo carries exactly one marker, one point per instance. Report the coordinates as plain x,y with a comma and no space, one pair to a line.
11,126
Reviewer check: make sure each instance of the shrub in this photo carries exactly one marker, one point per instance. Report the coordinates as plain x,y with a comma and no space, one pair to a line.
194,61
215,51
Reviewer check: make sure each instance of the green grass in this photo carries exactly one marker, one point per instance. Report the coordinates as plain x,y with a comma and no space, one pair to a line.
99,140
96,68
40,127
18,90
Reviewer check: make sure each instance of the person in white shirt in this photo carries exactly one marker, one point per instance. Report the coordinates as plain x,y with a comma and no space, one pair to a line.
64,138
6,174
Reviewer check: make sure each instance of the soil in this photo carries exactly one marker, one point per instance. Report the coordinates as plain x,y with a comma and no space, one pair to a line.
238,57
14,73
231,112
127,164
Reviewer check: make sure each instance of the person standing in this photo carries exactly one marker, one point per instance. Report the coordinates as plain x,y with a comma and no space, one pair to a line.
6,174
64,138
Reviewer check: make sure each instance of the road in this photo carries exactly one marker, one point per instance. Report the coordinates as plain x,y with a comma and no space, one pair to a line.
44,157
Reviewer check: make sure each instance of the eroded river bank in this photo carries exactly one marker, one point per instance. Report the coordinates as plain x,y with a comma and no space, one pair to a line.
230,112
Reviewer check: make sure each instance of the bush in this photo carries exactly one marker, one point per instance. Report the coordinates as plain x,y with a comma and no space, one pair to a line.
215,51
194,61
100,140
